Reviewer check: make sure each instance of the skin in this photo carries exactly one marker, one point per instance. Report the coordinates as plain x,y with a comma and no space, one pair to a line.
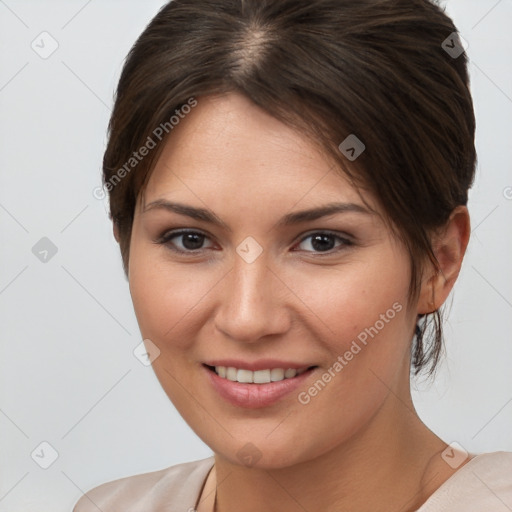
359,444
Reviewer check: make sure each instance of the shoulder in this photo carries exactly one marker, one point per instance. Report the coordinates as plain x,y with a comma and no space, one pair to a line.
484,483
162,490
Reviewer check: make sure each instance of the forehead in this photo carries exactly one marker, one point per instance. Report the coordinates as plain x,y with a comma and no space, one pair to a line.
228,148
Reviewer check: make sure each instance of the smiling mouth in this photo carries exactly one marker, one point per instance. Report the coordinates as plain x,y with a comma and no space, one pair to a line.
259,376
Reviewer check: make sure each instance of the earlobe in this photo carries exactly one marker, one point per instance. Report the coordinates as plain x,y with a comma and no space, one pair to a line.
449,246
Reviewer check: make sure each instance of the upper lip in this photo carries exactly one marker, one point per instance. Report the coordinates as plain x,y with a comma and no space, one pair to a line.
260,364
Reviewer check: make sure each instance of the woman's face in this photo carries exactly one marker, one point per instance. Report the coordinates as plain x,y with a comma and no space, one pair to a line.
258,286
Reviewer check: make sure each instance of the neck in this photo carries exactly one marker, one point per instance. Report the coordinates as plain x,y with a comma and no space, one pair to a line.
388,465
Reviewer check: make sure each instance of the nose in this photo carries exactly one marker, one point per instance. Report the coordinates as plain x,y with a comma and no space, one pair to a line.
252,302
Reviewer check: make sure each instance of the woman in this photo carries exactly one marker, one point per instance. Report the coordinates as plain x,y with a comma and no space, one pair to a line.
288,185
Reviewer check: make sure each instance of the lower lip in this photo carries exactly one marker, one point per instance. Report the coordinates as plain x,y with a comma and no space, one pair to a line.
254,396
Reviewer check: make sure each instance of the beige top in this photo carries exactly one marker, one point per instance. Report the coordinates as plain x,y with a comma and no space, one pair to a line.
484,484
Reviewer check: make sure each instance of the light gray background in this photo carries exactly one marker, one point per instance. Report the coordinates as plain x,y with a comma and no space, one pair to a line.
68,374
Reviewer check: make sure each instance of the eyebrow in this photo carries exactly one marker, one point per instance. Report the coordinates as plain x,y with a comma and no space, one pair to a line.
205,215
322,211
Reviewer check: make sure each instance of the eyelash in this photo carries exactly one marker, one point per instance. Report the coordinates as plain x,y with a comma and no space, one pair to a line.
166,238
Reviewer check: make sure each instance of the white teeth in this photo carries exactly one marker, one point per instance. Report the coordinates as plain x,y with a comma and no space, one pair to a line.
276,374
288,374
231,373
245,376
259,376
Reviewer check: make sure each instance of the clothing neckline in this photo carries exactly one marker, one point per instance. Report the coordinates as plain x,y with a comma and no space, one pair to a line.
457,475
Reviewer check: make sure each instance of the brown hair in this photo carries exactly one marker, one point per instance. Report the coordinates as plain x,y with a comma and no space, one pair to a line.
378,69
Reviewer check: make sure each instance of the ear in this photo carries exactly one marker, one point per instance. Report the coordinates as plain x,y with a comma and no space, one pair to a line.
115,229
449,245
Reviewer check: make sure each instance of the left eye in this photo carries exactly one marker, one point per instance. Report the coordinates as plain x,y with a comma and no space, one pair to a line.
323,242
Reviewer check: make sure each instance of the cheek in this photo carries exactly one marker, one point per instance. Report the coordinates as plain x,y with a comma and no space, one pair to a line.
356,300
165,294
361,321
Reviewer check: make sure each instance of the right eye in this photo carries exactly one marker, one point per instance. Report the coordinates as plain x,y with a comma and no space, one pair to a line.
188,241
